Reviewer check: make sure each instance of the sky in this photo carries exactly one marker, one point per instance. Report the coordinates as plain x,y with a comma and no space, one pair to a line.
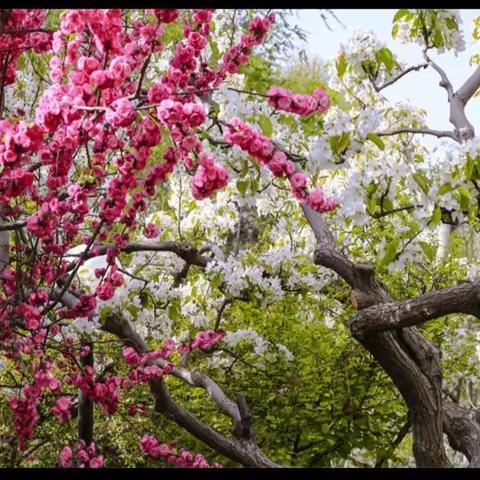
420,88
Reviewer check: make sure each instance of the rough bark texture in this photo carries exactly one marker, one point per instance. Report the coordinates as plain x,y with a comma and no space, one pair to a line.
407,357
463,431
462,298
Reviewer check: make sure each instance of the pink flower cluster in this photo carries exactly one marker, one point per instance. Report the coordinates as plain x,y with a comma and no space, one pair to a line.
150,446
81,457
165,15
208,178
89,153
25,410
317,200
133,358
63,408
120,113
183,116
44,223
20,26
203,340
297,103
85,305
151,230
105,393
261,148
239,54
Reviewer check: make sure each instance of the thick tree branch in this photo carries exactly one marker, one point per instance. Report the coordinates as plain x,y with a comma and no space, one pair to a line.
468,89
325,253
462,298
182,249
11,226
445,82
458,100
407,357
463,431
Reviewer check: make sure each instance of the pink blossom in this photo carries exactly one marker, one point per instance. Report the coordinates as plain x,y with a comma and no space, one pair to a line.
151,230
318,202
131,356
120,113
166,15
209,177
65,459
300,104
62,408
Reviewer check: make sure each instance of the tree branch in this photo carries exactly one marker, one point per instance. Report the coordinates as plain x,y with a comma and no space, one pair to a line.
462,298
244,451
424,131
445,82
462,430
11,226
458,100
416,68
401,355
85,405
184,250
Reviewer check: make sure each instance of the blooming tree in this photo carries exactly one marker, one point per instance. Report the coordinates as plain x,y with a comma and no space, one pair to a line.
156,182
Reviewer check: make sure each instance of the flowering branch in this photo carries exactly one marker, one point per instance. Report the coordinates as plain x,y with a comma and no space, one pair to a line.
415,68
423,131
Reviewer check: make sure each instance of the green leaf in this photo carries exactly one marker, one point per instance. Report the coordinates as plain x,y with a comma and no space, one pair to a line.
334,143
242,186
344,142
341,64
390,252
254,184
386,57
376,140
387,205
447,187
428,250
438,39
372,188
400,14
394,30
266,125
464,195
244,167
422,182
436,216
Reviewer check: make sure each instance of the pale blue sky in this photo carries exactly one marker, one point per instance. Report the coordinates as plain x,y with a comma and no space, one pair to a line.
420,88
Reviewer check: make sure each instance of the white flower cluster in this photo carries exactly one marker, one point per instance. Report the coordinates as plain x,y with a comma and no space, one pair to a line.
471,148
216,216
442,22
239,279
234,338
403,115
337,121
321,155
368,121
361,46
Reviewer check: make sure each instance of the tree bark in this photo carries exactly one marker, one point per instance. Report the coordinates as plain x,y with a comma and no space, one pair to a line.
405,355
85,405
